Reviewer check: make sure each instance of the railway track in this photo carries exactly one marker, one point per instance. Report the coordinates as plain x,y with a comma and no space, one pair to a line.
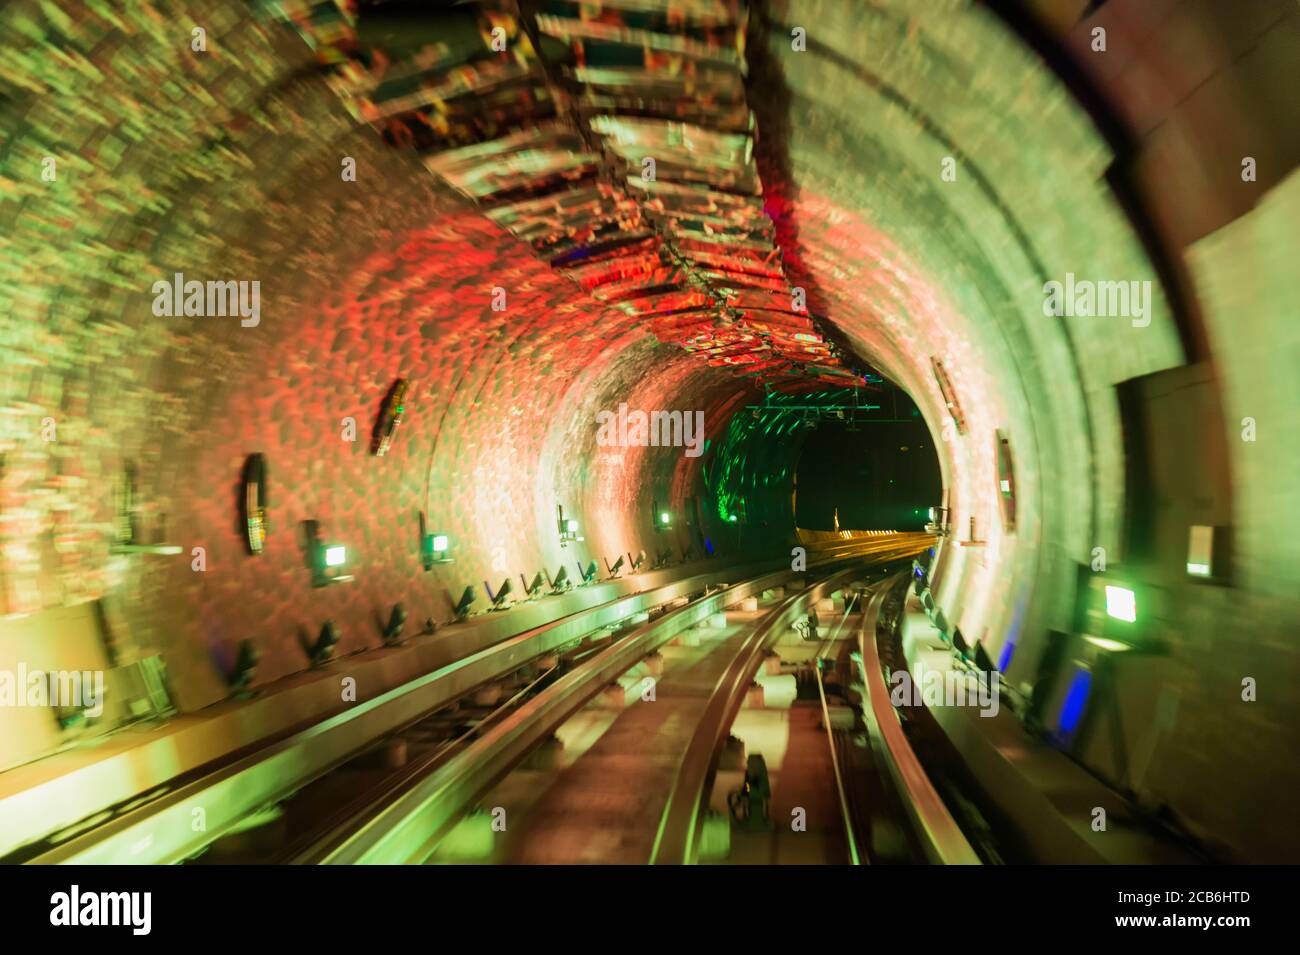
410,828
177,822
388,779
930,824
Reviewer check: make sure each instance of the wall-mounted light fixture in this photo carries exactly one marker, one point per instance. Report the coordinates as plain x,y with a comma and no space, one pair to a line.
253,504
938,523
567,526
326,560
663,518
322,651
499,598
467,598
390,416
392,631
246,661
1207,552
435,548
1121,603
949,395
560,582
128,538
1006,482
533,589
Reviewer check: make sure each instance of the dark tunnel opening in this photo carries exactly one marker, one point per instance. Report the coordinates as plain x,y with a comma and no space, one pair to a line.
872,473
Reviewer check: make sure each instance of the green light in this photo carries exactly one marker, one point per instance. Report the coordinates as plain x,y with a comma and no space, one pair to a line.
440,543
336,555
665,517
732,518
1121,604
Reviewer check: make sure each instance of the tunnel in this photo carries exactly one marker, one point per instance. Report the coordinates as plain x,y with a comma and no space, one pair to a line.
335,330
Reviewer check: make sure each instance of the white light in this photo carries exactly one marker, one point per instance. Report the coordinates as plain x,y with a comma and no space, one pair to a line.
1006,487
1121,604
573,527
1198,570
439,543
334,556
1114,646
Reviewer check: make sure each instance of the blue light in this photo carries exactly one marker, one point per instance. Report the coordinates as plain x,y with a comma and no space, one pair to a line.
1075,700
708,546
1004,660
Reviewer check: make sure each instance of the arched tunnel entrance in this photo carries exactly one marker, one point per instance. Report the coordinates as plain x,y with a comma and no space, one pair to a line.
868,470
359,340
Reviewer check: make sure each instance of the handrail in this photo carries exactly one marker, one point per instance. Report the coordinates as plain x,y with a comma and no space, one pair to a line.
677,840
941,837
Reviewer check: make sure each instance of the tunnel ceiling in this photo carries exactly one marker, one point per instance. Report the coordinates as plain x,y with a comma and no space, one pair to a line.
616,140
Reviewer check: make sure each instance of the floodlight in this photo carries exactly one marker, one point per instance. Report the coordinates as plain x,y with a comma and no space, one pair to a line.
499,598
560,582
393,629
325,560
245,669
1121,604
461,609
322,651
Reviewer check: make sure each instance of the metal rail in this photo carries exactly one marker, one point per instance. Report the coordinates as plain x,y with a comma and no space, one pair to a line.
409,828
677,841
855,857
162,830
941,837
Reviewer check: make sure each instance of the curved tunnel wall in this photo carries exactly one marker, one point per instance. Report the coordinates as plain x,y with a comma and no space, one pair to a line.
913,266
226,165
360,283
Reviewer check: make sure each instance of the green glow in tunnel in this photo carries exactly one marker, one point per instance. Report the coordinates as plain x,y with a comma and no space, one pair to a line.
751,476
